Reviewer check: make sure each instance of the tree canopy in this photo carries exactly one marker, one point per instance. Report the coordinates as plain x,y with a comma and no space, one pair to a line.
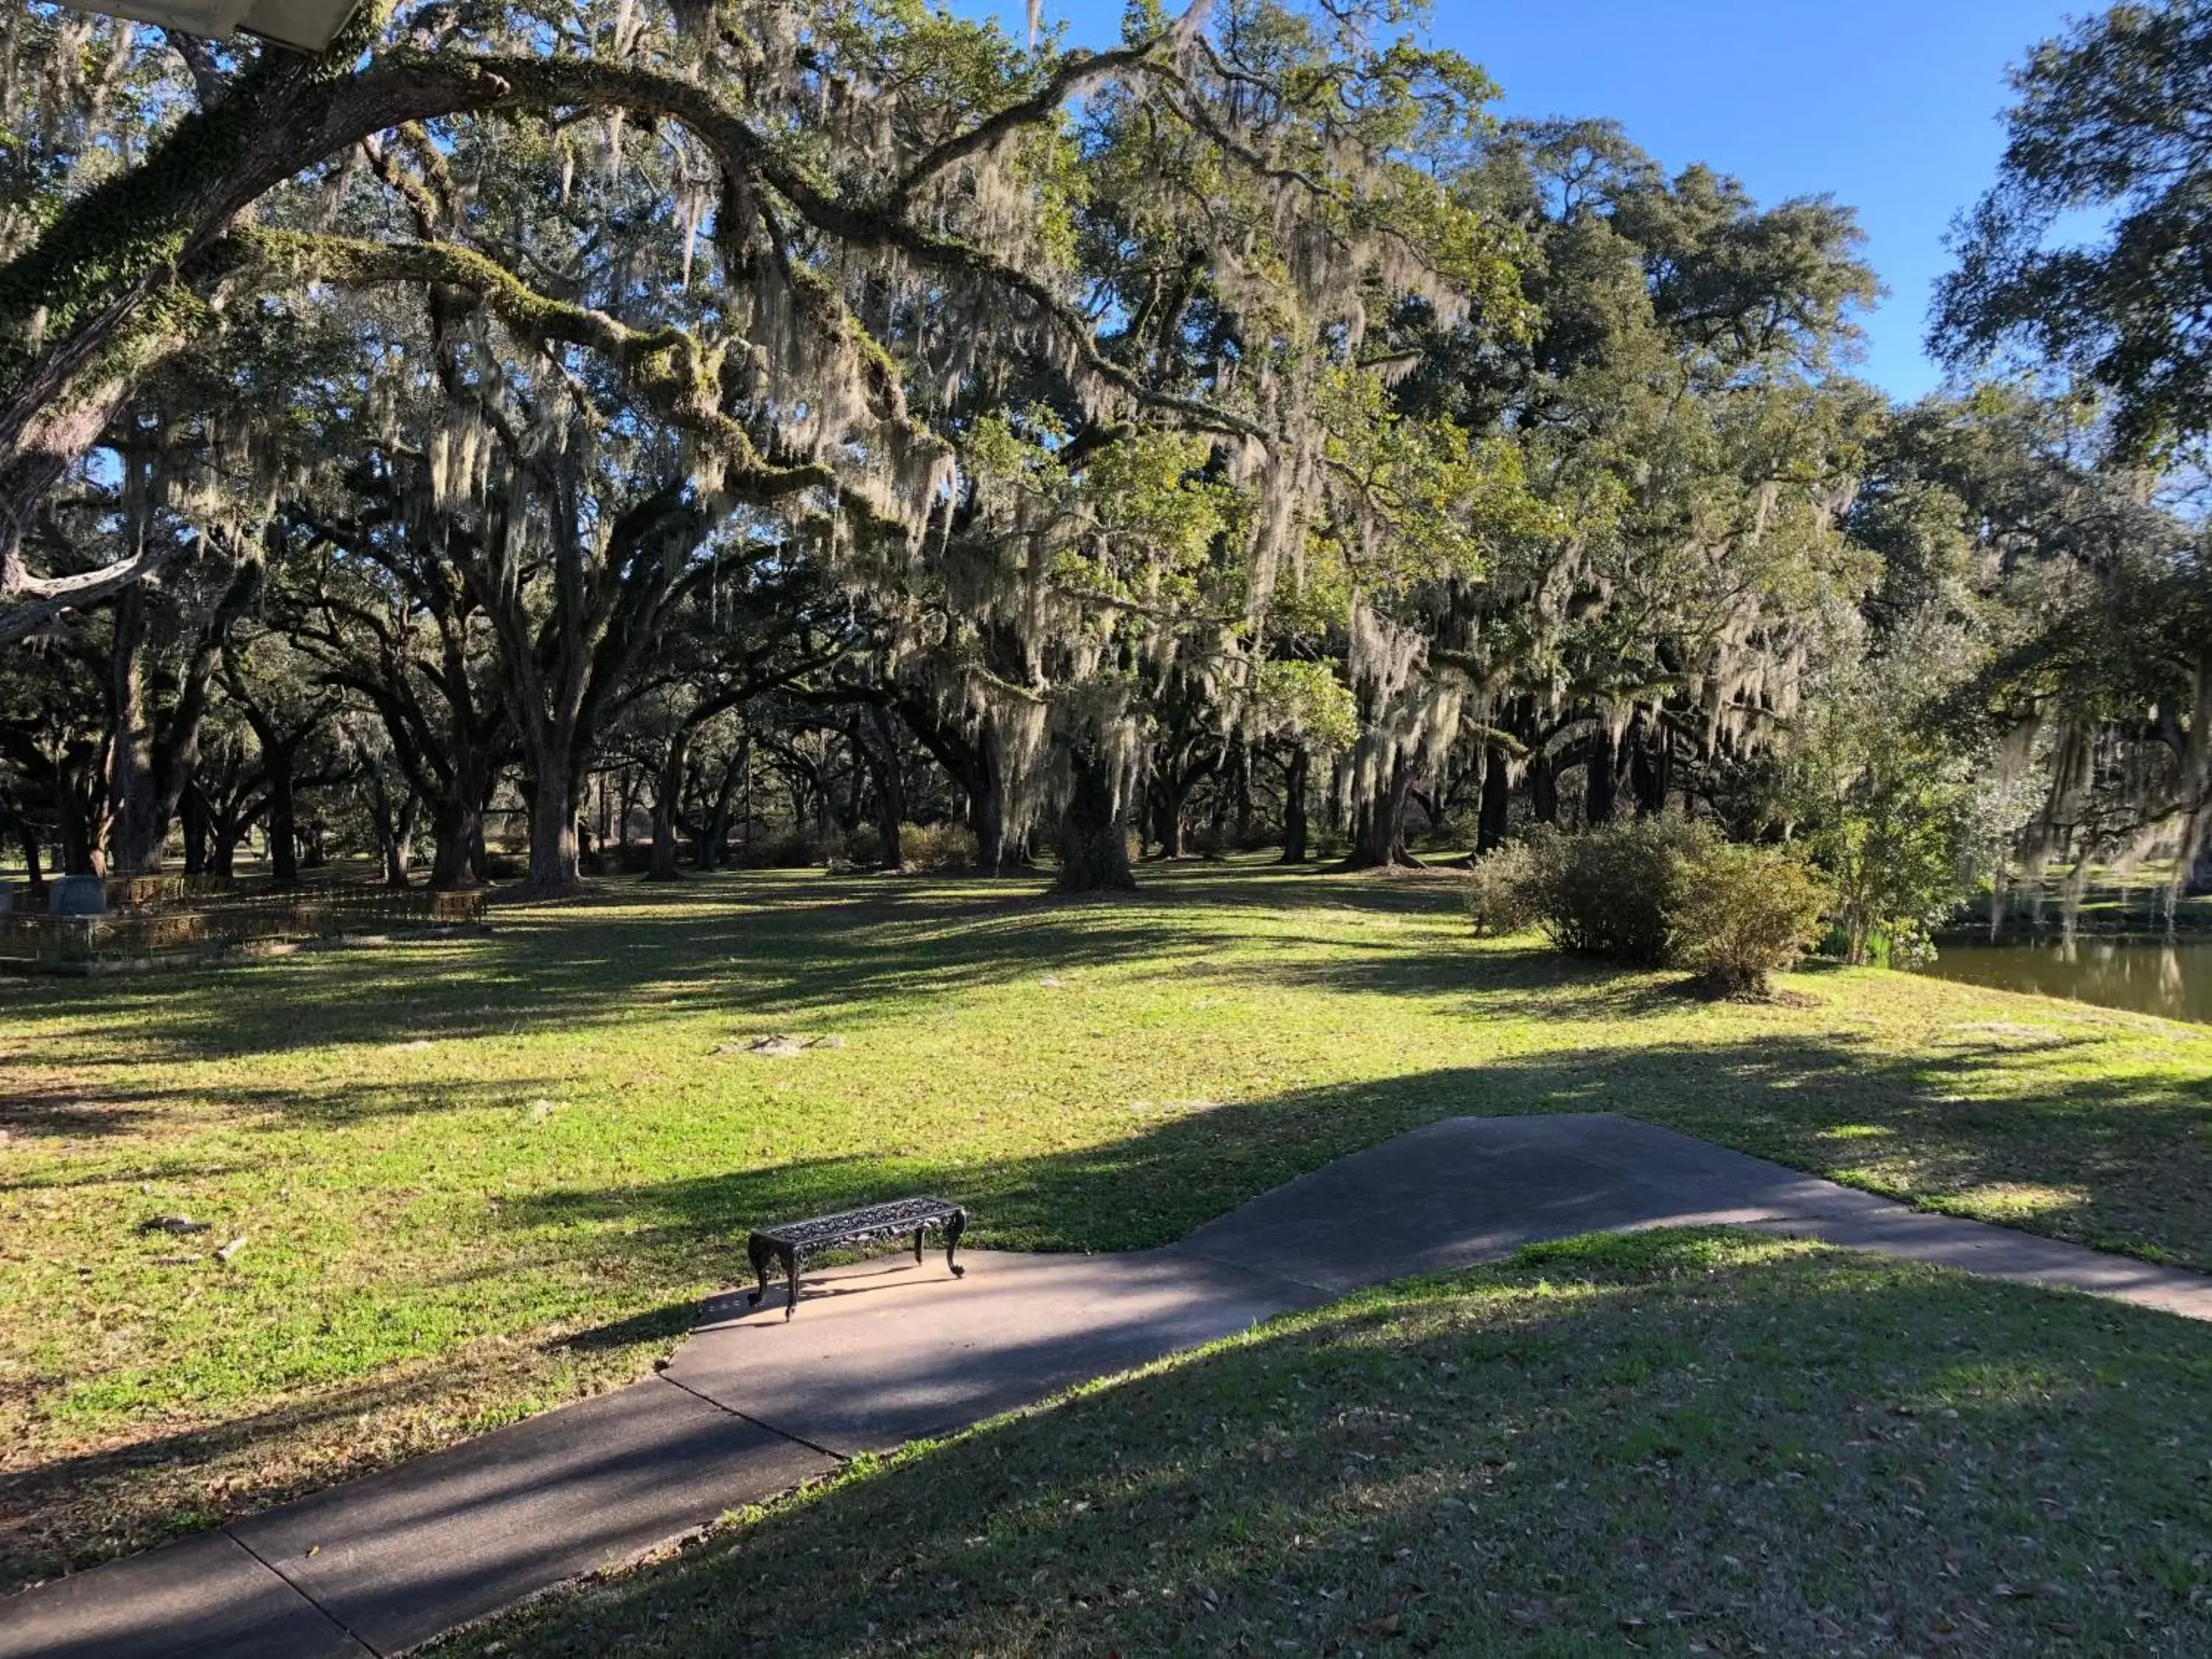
806,428
2113,121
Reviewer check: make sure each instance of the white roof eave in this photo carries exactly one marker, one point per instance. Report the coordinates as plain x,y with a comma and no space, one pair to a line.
303,25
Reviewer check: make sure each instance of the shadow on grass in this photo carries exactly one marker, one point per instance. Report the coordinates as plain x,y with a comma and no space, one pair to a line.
2115,1162
133,1493
1499,982
104,1109
775,947
67,1113
2112,1165
756,946
1679,1443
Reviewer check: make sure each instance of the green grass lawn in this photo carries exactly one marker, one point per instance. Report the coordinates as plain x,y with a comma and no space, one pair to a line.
476,1177
1672,1443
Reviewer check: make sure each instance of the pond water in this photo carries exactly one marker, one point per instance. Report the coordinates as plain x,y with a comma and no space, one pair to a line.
2151,975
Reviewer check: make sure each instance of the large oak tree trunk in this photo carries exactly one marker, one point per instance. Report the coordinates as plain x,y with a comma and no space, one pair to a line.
553,862
228,818
1651,769
1296,782
77,790
1094,831
457,857
1601,781
193,810
626,804
1497,797
715,839
396,838
667,796
282,829
1167,817
987,825
890,815
134,844
1543,788
1378,821
456,832
222,852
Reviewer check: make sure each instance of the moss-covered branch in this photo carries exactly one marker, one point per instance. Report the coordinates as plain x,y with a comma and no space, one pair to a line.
668,370
1077,74
66,301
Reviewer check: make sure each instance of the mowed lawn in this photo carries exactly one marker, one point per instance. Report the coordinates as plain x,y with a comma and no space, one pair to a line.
1678,1443
475,1177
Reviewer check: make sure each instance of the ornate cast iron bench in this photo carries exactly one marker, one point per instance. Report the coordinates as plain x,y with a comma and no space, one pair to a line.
791,1242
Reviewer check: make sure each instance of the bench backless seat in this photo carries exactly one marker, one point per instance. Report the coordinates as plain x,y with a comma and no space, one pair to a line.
793,1242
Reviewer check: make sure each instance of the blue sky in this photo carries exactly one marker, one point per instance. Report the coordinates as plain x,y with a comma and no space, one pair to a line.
1889,105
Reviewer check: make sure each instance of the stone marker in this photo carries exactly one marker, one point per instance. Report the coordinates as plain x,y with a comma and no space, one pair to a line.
76,895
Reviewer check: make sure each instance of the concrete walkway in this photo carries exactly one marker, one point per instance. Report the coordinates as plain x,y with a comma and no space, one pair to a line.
887,1351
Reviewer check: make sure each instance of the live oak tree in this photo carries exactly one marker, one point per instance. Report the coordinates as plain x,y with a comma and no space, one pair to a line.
2095,610
2108,122
782,140
1125,514
1688,451
635,403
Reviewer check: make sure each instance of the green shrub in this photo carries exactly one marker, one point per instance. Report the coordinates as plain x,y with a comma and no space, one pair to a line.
1613,892
1501,894
925,849
789,849
931,849
1651,892
1744,913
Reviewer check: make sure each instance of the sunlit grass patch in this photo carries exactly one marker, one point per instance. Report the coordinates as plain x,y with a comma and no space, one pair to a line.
475,1177
2014,1201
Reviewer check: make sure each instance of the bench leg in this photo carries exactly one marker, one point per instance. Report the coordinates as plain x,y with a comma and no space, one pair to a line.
918,1232
760,1253
790,1282
954,1226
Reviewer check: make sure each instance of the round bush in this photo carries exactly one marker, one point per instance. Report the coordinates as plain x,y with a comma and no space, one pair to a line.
1613,892
1654,892
1745,913
1501,894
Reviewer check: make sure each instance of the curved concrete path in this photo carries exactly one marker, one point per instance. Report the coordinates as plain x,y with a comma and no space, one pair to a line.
887,1351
